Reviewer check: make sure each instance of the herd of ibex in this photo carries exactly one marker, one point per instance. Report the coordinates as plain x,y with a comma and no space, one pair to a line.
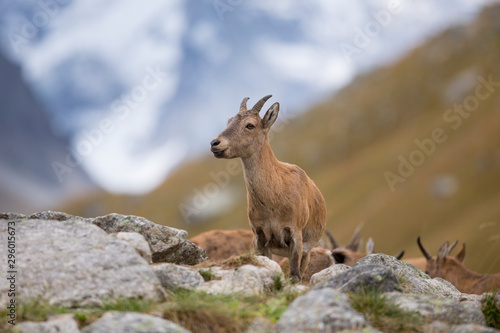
287,213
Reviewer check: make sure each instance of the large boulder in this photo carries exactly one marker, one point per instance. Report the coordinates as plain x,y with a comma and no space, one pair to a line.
412,279
441,327
64,323
174,277
132,322
325,310
432,309
138,242
328,273
74,263
362,278
167,244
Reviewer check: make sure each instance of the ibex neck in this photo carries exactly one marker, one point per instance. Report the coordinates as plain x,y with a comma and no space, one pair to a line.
261,166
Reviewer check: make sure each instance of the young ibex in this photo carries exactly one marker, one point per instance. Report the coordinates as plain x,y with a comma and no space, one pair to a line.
452,270
286,211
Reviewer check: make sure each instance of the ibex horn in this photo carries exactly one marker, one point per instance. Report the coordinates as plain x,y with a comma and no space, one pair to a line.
243,105
424,251
260,103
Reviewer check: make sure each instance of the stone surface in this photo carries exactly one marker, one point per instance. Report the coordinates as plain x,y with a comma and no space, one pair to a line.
412,279
138,242
247,280
132,322
431,309
440,327
362,278
174,277
328,273
167,244
324,310
74,263
64,323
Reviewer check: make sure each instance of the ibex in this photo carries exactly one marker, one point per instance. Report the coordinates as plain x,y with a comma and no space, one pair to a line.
452,270
421,262
286,211
222,244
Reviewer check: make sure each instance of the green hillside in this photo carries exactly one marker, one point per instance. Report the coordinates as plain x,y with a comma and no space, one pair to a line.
409,149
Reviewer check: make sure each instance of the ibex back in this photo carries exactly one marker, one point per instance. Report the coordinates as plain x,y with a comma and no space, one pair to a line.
286,211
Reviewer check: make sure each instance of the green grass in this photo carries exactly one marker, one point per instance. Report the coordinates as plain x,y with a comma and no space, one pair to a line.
196,311
384,314
491,312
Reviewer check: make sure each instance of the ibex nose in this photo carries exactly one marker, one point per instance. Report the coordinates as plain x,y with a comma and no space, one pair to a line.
214,142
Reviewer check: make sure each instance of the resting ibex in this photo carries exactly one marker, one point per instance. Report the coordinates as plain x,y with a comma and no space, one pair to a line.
223,244
452,270
286,211
421,262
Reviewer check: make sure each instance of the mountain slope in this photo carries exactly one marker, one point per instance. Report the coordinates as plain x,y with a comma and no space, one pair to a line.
392,150
28,149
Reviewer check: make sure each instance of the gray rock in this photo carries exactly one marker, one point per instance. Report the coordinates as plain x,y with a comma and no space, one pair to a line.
73,263
167,244
328,273
132,322
432,309
174,277
261,325
64,323
324,310
412,279
362,278
247,280
138,242
440,327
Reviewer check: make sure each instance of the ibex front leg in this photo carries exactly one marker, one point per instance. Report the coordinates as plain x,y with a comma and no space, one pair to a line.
259,243
296,257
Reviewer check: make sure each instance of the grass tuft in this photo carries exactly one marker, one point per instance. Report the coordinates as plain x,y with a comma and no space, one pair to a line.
383,314
491,311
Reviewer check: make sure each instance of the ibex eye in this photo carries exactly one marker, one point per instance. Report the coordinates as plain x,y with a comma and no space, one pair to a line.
250,126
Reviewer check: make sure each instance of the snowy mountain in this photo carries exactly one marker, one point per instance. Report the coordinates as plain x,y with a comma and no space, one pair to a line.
141,87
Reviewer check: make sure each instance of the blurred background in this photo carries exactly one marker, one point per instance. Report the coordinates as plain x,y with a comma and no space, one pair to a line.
392,108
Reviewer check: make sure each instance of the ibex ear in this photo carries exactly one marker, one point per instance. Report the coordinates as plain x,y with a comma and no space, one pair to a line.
370,246
271,116
443,251
461,254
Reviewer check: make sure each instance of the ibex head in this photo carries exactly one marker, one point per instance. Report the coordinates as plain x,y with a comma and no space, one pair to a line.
439,266
246,132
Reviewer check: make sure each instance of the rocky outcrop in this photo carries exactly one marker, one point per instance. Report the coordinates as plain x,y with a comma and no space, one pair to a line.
412,279
167,244
130,322
71,261
362,278
324,310
75,263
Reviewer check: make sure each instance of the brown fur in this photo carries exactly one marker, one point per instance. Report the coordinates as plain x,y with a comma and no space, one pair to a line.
420,262
452,270
223,244
286,211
